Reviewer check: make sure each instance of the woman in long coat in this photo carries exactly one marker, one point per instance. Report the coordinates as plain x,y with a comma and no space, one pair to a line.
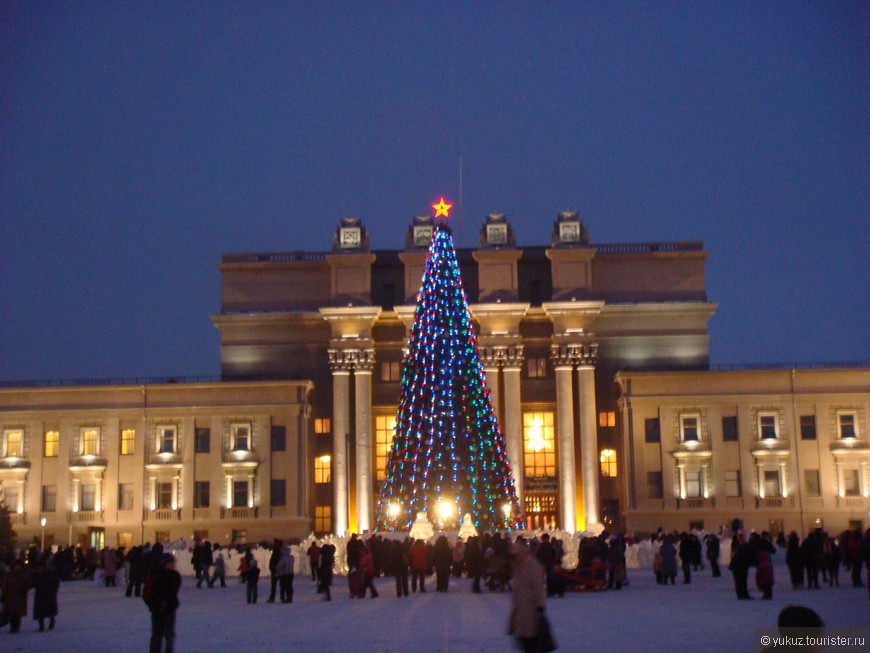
669,560
46,583
528,598
13,595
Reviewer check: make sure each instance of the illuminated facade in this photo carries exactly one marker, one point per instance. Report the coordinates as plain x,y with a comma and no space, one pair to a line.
574,338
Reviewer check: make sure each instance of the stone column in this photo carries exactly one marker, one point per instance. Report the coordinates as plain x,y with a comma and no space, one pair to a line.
489,360
587,356
341,363
783,485
174,502
759,465
77,494
229,491
98,494
563,366
363,389
513,418
250,491
681,469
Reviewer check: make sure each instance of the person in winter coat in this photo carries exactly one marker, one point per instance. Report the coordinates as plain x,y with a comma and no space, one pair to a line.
206,562
277,552
418,565
252,578
742,558
764,565
713,549
686,555
400,567
528,599
669,560
442,557
794,561
313,554
109,565
474,563
13,594
161,596
135,571
220,568
327,562
367,571
284,569
46,583
832,561
813,557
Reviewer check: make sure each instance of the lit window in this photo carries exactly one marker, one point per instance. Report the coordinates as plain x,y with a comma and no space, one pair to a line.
384,427
89,497
13,439
732,483
690,428
846,426
90,437
768,427
322,519
322,426
772,487
164,496
323,469
539,449
608,463
693,483
240,494
851,484
10,497
537,368
241,437
49,498
52,444
128,442
606,418
125,496
166,435
390,371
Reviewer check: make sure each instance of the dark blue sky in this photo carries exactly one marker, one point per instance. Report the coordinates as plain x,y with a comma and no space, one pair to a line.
139,141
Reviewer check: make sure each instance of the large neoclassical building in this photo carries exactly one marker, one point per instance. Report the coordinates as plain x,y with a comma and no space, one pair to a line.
596,357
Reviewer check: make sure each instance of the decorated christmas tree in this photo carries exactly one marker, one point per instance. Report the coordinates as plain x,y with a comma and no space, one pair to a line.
448,454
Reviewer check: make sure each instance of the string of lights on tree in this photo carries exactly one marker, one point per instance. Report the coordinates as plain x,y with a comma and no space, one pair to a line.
448,454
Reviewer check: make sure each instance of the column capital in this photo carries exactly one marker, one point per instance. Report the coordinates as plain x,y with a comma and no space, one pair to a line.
493,356
365,361
581,354
514,357
341,361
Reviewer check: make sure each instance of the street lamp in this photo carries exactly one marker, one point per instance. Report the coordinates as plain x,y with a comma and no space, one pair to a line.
42,542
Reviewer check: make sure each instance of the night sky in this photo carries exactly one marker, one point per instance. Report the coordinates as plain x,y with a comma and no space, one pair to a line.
141,140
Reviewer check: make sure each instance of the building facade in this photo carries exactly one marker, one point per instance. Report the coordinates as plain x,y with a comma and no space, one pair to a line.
781,449
584,346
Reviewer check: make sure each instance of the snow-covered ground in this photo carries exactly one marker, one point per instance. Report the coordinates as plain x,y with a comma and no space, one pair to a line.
702,616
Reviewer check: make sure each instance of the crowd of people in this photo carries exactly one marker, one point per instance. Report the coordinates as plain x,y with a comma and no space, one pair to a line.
491,562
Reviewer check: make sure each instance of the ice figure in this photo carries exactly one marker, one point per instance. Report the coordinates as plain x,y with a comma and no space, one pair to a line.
467,529
422,528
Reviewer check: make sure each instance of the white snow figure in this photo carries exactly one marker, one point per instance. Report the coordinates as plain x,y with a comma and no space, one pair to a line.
422,529
467,529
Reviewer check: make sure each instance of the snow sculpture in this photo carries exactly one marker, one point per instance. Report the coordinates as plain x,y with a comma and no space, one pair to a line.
422,528
467,529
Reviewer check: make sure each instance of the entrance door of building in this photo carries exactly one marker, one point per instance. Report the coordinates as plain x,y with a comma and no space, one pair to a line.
97,538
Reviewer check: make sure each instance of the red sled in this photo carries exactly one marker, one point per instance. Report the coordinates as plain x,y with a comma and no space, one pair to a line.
592,578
